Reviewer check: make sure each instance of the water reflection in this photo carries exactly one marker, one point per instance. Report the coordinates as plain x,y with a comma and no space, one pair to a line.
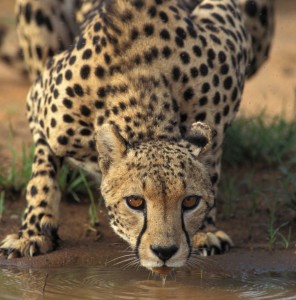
113,283
21,284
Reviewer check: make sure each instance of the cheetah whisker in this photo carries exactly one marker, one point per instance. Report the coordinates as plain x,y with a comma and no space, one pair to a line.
124,261
120,257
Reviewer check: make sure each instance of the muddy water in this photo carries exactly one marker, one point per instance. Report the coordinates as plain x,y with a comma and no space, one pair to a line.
113,283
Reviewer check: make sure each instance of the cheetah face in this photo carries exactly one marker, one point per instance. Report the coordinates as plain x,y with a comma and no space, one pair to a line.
157,195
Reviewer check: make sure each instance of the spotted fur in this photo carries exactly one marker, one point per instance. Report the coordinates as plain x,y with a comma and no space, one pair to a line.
140,93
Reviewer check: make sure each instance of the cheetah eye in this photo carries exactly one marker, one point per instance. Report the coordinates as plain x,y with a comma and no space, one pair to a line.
135,202
190,202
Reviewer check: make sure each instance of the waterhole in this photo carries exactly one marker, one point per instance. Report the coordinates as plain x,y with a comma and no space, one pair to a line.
113,283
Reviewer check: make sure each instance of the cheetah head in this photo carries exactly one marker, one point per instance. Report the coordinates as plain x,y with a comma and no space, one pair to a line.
157,193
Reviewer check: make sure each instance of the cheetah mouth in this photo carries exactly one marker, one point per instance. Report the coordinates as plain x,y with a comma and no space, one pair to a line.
163,270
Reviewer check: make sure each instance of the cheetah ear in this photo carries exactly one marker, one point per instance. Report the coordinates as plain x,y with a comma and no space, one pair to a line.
110,145
200,135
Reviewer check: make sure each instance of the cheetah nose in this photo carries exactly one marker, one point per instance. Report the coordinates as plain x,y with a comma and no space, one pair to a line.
164,253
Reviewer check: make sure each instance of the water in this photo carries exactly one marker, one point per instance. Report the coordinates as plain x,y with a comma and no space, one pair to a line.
113,283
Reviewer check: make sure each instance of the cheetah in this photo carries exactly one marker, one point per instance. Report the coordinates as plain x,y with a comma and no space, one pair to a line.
139,94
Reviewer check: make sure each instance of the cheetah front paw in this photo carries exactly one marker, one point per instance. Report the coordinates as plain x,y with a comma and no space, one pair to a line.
212,243
31,241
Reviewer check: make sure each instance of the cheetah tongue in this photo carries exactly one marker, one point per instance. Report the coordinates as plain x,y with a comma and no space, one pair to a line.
164,270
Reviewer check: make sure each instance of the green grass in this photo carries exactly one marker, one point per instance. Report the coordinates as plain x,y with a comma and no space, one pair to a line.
260,145
274,225
93,208
2,204
259,140
14,179
74,184
286,240
230,187
16,176
288,182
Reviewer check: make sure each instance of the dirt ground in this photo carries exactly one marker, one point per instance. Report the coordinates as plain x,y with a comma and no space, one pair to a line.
77,249
273,89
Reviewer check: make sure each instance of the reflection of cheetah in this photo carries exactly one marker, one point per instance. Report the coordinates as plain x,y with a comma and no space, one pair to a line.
135,89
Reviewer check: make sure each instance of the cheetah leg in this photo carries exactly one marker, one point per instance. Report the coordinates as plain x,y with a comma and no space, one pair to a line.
211,240
38,233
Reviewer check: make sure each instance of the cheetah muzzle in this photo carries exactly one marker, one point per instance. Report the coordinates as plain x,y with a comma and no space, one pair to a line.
157,194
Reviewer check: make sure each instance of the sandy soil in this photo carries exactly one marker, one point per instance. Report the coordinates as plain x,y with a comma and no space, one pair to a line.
273,89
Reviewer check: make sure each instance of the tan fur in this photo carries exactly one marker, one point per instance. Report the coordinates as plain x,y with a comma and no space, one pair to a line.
148,89
163,182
